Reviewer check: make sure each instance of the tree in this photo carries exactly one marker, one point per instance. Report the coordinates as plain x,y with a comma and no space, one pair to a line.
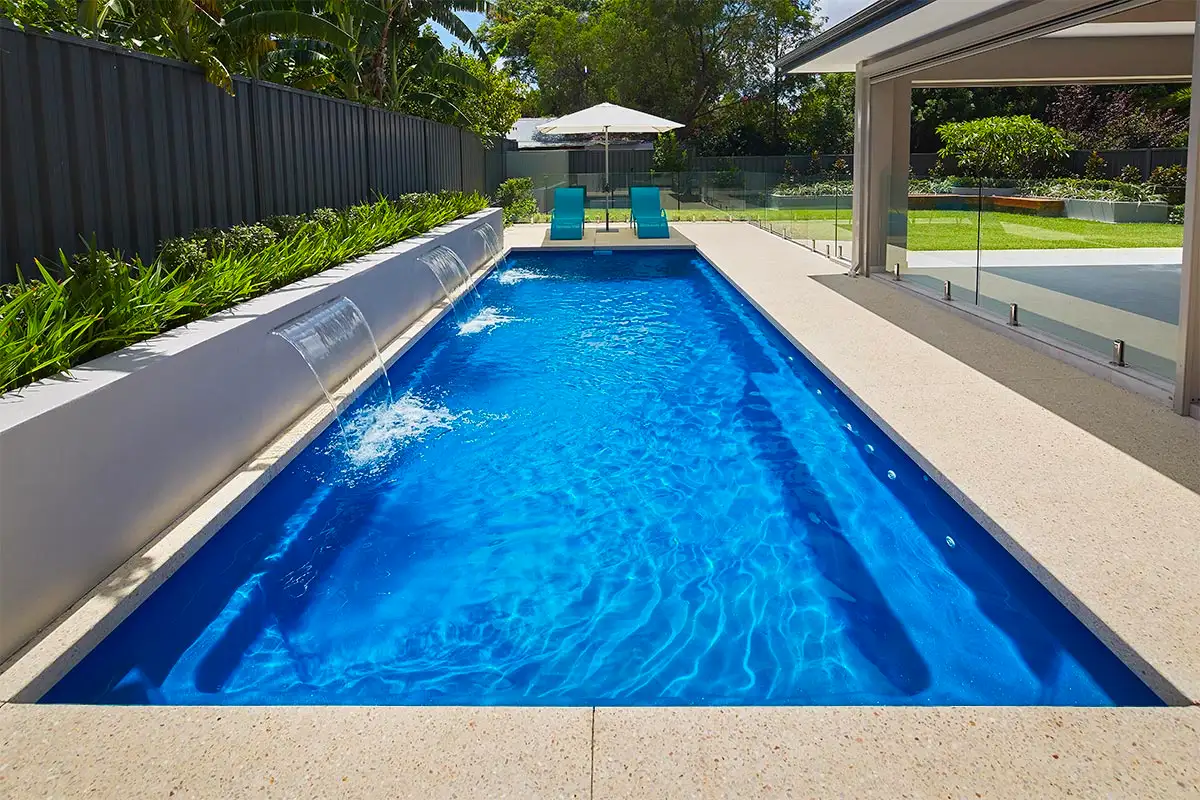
1099,118
366,50
493,102
1003,147
823,120
676,58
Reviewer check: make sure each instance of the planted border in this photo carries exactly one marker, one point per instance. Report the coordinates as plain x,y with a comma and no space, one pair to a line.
105,302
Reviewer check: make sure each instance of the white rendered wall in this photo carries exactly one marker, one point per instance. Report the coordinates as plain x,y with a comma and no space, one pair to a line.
93,467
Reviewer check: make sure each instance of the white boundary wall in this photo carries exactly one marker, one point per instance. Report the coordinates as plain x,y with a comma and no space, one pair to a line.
93,467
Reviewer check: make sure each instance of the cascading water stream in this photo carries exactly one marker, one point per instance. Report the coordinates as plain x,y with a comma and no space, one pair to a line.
491,241
451,273
326,337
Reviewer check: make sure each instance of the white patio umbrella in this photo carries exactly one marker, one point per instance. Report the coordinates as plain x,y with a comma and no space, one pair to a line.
608,118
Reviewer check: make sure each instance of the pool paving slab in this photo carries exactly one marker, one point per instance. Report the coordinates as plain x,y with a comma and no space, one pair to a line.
1093,488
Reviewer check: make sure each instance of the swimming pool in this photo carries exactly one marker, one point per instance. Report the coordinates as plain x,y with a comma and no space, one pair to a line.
613,483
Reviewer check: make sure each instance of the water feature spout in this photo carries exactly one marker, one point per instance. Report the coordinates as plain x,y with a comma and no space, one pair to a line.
326,336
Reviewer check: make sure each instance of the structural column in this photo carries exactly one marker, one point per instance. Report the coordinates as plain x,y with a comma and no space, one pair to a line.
1187,354
882,119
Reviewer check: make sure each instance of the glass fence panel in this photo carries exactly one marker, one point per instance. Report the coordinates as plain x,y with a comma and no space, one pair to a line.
1091,270
844,225
942,238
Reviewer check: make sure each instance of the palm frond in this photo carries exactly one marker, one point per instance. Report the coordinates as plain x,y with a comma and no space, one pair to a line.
289,23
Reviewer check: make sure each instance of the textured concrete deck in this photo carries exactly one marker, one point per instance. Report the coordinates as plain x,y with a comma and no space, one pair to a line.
1092,487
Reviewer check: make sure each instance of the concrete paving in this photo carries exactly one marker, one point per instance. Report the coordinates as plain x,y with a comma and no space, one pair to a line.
1093,488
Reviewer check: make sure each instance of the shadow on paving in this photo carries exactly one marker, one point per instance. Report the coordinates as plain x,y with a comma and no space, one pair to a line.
1136,425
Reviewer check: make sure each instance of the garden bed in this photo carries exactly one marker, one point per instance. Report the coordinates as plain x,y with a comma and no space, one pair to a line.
98,464
819,201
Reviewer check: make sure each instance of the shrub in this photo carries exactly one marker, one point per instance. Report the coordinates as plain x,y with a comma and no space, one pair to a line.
992,182
1171,181
1130,174
1095,168
1175,215
728,178
105,302
244,239
1086,189
515,196
1016,147
813,188
325,217
185,254
669,154
285,224
814,163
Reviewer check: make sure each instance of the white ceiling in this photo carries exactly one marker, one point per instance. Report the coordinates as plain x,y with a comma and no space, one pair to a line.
1101,29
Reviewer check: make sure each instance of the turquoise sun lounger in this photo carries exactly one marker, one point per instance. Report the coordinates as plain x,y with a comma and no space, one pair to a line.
566,220
649,219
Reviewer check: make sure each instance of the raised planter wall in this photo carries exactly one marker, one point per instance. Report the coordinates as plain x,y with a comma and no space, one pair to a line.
814,201
93,467
1117,211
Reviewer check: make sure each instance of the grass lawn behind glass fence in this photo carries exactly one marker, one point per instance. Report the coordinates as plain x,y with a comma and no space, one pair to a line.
943,230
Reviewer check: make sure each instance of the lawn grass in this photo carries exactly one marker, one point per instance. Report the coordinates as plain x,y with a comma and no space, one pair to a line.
939,230
957,230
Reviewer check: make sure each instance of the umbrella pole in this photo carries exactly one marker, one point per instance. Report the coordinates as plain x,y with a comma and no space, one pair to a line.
607,185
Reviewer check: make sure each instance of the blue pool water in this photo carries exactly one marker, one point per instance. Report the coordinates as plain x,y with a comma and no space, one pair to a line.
615,484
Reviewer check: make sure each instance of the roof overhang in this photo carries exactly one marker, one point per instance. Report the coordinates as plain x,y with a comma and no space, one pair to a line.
879,27
1007,42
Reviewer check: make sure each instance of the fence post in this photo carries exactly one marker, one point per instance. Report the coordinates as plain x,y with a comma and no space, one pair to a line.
1149,159
462,167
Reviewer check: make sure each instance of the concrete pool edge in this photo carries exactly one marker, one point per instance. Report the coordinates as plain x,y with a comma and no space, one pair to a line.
39,664
607,752
585,752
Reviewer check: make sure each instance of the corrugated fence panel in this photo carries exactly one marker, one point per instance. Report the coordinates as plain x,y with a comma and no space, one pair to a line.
474,170
135,149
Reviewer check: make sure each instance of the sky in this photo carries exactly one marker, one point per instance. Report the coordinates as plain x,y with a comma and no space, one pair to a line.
836,10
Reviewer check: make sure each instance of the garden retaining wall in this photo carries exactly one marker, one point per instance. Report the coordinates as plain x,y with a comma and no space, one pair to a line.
93,467
1116,211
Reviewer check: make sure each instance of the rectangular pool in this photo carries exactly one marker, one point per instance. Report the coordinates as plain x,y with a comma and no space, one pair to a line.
611,482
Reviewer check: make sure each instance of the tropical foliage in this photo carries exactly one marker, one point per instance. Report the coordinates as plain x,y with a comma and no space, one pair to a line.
380,52
1014,147
105,302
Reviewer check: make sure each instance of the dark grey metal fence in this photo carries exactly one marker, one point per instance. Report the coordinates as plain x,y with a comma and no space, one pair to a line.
133,149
